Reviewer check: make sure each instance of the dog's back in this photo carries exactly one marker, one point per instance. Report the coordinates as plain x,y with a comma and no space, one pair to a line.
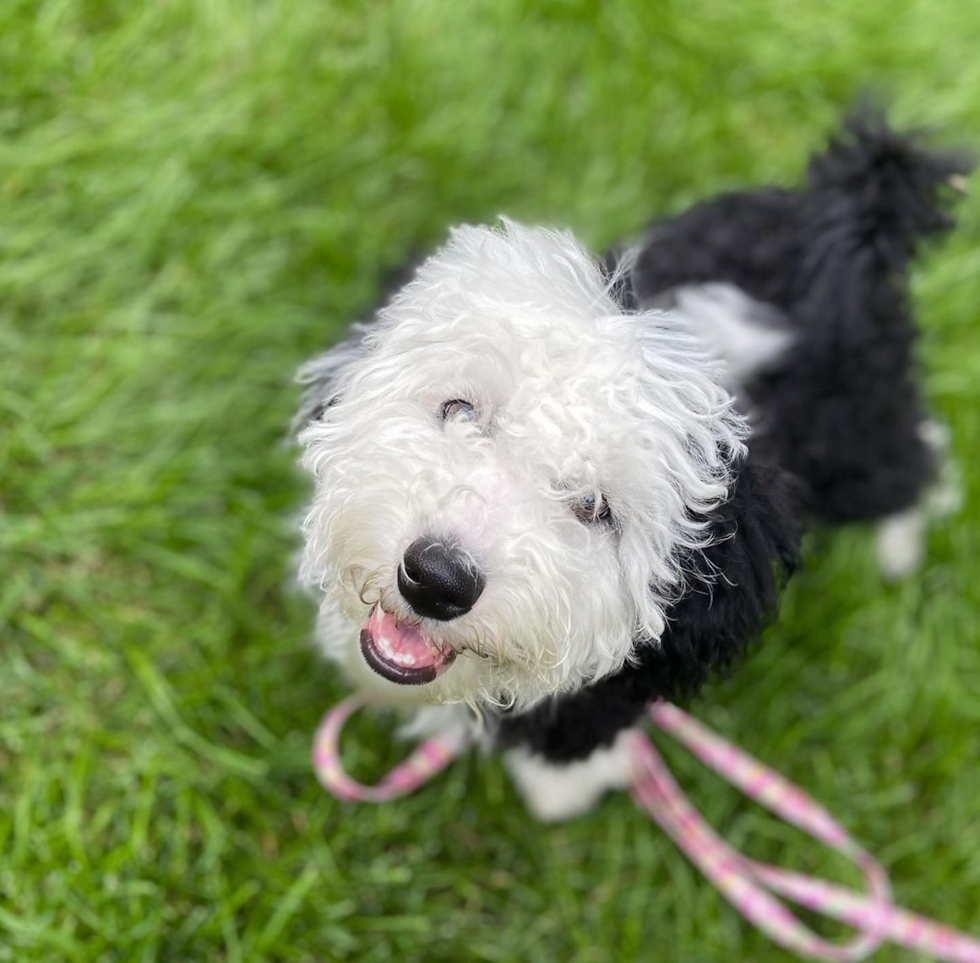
805,294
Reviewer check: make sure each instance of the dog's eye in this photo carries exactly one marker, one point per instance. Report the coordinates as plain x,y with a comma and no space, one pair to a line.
458,410
592,509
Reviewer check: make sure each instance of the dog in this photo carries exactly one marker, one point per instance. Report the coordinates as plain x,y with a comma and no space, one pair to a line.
550,488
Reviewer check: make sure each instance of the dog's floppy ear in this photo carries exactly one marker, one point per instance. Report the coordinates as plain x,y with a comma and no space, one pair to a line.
321,375
733,584
731,588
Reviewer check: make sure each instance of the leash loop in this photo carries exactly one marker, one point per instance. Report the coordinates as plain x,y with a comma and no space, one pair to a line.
744,882
425,761
747,883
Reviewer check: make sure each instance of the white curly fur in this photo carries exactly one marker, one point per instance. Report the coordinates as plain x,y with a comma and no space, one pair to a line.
573,397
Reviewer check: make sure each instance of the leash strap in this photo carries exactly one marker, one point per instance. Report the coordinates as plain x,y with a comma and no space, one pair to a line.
749,885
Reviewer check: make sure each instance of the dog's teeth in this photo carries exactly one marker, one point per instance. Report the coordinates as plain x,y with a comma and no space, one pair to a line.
403,647
387,648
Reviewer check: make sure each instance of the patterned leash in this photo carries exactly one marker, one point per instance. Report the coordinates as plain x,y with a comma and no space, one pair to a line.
750,886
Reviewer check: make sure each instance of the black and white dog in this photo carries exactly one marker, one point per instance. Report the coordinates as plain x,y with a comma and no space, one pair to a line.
550,489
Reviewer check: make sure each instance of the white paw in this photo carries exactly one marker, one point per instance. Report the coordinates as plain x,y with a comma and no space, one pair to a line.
944,497
554,792
901,543
901,537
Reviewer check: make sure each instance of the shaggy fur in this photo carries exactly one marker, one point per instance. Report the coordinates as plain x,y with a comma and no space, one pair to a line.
533,490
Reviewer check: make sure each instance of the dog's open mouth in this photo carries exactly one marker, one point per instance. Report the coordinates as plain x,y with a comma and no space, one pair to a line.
399,652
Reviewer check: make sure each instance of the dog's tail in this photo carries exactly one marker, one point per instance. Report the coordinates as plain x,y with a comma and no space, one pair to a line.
873,196
884,191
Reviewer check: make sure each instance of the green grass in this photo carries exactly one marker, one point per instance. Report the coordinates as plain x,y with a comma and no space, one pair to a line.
198,195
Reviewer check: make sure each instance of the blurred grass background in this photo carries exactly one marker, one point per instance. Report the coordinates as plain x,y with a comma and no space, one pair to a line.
196,196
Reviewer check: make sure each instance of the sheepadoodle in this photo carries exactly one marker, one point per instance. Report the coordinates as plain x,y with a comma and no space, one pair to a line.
550,488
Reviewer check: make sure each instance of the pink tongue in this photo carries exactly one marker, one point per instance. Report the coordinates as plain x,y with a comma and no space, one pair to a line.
401,643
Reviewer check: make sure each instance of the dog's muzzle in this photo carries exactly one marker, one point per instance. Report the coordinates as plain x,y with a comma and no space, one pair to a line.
439,582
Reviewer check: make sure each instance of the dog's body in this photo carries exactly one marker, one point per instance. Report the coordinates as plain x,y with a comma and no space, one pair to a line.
535,494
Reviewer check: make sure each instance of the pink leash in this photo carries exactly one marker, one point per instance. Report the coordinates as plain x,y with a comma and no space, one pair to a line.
750,886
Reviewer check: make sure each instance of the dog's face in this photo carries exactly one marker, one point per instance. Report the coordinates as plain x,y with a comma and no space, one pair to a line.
508,475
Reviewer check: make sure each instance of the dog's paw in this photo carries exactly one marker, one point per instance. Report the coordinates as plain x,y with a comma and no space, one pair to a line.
900,543
558,792
944,497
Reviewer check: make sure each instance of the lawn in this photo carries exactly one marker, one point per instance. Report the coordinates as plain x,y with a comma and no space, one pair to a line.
196,196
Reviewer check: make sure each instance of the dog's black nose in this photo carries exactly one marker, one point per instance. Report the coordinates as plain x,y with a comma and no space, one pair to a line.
438,580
